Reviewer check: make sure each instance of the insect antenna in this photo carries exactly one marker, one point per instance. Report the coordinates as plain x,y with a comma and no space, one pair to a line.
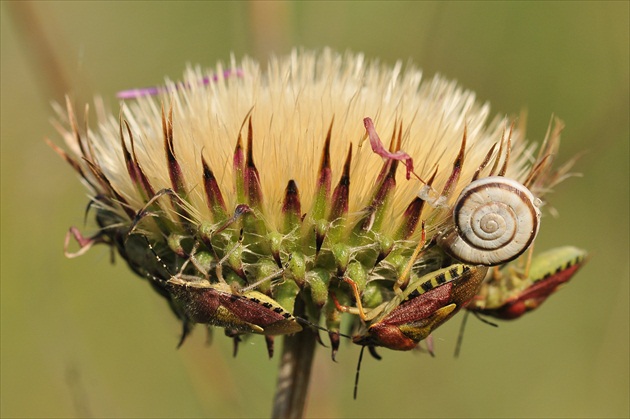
307,323
356,377
157,257
375,355
145,212
486,321
460,337
187,326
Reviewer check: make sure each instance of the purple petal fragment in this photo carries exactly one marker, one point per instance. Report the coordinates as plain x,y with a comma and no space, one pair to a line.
156,90
378,148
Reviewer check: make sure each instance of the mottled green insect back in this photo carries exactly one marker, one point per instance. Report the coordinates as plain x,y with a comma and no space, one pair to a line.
511,292
554,261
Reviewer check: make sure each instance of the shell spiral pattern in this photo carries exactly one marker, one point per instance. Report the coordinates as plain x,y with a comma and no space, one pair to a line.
495,220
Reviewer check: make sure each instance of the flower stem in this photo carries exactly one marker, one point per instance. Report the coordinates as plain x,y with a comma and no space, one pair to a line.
294,372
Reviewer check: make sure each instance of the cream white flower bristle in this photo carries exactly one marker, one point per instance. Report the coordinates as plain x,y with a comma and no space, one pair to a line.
318,167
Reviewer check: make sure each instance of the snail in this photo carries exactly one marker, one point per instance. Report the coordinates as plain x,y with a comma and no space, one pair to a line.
495,220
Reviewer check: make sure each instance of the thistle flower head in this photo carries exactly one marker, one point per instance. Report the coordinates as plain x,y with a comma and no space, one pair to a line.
322,178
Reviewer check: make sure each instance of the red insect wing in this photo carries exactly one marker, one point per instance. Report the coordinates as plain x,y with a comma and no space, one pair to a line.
251,310
200,303
535,295
420,307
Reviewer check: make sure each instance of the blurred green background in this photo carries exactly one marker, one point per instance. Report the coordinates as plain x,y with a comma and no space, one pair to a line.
83,337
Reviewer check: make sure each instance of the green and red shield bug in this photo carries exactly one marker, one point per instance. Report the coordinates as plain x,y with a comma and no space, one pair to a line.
509,294
422,307
228,305
218,305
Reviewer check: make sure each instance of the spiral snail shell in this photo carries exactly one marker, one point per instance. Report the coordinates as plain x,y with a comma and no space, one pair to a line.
495,220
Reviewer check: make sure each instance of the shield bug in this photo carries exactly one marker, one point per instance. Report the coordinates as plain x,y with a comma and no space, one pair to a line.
224,305
422,307
509,294
198,300
218,305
